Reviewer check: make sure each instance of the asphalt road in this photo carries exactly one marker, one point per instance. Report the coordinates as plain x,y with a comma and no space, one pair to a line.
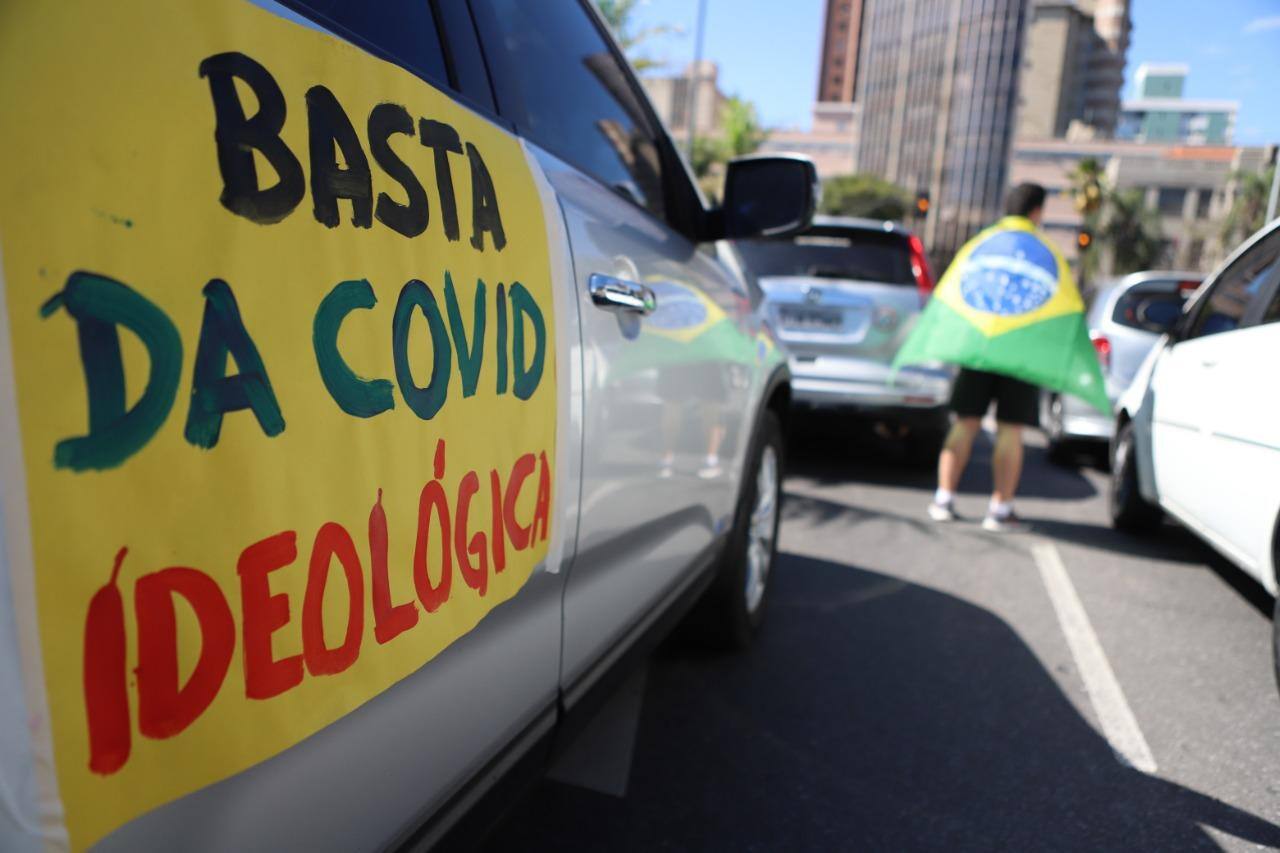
914,687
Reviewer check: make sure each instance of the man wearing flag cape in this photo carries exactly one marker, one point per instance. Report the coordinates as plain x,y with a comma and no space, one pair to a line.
1007,312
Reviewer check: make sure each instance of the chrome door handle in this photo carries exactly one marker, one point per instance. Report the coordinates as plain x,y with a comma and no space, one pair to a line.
615,294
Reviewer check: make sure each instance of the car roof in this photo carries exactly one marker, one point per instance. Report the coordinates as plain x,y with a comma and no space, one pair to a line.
1152,275
1109,292
855,223
1116,286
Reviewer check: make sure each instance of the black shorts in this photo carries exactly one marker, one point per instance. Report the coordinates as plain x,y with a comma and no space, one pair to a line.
1017,402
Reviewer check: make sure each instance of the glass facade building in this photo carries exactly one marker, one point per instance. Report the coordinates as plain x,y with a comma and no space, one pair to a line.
938,89
1159,113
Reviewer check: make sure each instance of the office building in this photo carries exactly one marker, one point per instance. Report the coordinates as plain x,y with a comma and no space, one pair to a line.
841,32
832,139
937,85
696,89
831,142
1191,188
1073,68
1104,76
1160,113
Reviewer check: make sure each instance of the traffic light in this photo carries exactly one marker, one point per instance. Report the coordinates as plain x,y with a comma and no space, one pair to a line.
922,204
1084,238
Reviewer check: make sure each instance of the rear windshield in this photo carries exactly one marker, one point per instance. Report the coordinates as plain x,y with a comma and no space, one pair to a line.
1153,305
864,255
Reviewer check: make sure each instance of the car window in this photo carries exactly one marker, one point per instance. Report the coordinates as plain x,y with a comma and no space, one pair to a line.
1236,288
403,31
561,85
863,255
1272,314
1154,305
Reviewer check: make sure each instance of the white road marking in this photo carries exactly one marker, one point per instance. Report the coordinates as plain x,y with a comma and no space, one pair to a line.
1118,723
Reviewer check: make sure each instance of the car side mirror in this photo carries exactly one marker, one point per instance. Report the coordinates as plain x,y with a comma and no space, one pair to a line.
768,196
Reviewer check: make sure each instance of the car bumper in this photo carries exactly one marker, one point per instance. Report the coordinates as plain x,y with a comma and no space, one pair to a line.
840,382
1093,427
1080,421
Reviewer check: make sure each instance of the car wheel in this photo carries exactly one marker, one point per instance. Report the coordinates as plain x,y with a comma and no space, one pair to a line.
1060,449
923,446
734,606
1129,510
1275,641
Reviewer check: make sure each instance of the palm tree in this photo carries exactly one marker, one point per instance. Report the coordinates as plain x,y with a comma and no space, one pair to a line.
1132,231
1088,189
618,15
1249,207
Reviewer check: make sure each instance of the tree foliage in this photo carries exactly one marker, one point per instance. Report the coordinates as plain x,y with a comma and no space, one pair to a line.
1089,192
740,134
1132,230
1249,208
619,15
864,195
740,129
1087,188
708,152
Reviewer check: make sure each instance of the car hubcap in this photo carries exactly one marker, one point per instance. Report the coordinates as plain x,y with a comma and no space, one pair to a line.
1119,476
763,524
1055,418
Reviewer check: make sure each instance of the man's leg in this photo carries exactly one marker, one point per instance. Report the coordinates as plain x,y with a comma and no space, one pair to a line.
971,395
955,452
1006,462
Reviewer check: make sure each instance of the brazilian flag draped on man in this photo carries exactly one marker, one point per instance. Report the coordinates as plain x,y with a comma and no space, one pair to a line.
1008,304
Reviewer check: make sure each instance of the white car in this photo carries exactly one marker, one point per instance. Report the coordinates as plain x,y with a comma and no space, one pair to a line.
1126,319
1198,431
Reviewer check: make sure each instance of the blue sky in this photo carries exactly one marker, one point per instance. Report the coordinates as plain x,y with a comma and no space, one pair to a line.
768,52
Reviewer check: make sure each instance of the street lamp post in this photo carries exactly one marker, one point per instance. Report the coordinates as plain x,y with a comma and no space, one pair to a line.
1275,187
696,76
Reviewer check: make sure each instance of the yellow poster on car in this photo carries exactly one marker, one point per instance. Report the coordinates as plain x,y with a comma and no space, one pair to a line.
282,347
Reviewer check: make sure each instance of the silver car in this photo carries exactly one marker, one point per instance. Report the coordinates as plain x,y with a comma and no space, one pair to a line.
1126,318
501,410
842,296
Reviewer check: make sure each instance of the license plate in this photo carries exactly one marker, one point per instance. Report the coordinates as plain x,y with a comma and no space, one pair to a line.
810,319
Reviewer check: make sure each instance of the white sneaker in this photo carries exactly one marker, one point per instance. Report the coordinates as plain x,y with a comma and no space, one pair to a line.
943,512
710,467
1004,523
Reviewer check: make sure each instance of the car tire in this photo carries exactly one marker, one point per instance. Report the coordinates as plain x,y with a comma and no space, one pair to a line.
1060,450
923,446
1061,453
1129,510
1275,641
733,608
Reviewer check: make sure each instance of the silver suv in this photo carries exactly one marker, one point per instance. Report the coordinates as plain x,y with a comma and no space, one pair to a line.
499,410
842,296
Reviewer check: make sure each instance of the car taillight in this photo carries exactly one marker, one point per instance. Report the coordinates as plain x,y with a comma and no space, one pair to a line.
1186,288
1102,346
920,268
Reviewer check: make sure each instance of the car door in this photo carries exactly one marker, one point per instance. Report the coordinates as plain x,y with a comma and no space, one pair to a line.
1242,421
1198,400
666,364
372,777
